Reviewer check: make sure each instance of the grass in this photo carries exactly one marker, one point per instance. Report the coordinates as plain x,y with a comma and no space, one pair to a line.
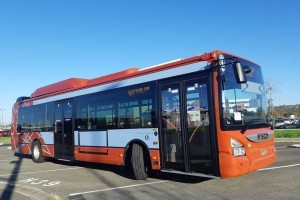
5,140
287,133
281,133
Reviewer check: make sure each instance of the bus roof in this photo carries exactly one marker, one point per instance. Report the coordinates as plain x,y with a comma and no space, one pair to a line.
80,83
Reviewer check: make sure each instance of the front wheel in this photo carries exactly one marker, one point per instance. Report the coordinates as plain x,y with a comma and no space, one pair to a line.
138,162
36,151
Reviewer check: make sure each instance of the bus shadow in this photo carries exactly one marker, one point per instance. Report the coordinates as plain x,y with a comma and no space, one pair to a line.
10,185
22,156
123,171
126,172
181,178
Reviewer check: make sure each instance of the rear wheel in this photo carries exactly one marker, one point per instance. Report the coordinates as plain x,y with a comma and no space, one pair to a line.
138,162
36,151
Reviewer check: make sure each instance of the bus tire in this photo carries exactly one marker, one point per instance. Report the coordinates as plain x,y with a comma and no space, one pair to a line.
36,152
138,162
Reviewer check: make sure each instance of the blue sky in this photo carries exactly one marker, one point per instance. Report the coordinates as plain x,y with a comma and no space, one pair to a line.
43,41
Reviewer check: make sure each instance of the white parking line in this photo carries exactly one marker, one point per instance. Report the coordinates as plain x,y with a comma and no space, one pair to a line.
117,188
36,172
296,145
285,166
283,147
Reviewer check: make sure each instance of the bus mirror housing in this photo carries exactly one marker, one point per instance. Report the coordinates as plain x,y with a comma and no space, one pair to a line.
239,72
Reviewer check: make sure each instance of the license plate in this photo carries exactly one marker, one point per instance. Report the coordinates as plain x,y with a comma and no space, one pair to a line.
262,136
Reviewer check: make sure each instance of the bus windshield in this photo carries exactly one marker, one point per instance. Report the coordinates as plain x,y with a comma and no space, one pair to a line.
242,104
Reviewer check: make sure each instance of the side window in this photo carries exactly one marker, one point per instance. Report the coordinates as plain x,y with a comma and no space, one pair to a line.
81,114
136,108
106,115
49,117
35,118
132,107
92,118
96,111
38,117
146,113
24,119
129,114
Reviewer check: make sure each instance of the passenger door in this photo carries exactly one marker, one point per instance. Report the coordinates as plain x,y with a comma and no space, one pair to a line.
63,130
185,125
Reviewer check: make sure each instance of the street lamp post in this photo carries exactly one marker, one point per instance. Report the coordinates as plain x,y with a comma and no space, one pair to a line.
2,117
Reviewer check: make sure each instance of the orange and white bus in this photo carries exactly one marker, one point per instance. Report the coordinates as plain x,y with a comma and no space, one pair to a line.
204,115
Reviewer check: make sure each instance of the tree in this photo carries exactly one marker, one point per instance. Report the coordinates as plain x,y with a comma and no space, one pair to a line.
271,90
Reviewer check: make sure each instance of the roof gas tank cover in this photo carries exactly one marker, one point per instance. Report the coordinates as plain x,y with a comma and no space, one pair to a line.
112,77
71,83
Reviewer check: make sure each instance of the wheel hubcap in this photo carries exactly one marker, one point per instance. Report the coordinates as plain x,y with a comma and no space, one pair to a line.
36,152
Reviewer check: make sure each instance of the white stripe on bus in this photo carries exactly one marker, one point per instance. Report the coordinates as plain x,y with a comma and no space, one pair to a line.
91,138
117,137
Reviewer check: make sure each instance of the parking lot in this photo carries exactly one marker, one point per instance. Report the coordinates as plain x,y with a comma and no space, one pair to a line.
20,178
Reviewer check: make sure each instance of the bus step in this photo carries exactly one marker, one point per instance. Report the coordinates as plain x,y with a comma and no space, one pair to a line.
191,174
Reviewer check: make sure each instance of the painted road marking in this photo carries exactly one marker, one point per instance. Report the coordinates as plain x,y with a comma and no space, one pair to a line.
56,170
44,183
29,192
284,147
285,166
296,145
117,188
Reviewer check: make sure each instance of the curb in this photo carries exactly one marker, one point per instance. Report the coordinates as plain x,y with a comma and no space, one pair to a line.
2,144
289,140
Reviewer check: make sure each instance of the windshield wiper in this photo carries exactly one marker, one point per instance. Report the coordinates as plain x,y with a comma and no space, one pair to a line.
254,123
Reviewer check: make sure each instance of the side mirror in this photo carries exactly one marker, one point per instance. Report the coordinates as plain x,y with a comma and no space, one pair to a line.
239,72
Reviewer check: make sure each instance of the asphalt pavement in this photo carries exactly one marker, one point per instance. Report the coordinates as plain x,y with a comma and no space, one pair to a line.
20,179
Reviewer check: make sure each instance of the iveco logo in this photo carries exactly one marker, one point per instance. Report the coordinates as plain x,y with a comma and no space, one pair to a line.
262,136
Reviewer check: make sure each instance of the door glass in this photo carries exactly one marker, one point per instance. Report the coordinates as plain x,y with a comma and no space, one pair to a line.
171,124
68,134
63,130
58,130
199,140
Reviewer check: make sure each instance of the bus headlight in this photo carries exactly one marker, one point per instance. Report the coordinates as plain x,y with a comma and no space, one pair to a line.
237,148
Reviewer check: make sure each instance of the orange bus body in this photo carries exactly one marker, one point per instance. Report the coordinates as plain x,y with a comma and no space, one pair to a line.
258,154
